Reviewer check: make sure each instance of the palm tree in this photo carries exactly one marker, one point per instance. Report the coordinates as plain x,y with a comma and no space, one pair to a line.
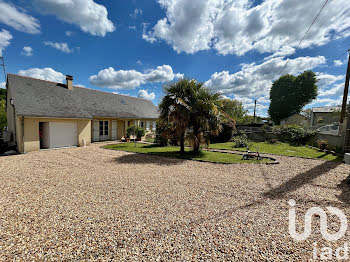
190,108
174,111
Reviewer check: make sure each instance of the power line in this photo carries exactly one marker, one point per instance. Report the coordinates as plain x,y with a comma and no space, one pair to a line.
303,37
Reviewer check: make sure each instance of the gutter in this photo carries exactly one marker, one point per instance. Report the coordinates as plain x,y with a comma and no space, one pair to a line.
23,134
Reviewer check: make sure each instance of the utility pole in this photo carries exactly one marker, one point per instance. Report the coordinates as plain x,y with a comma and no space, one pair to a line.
254,110
346,91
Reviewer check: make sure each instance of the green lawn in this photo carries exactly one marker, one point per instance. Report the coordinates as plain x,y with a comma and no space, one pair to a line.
172,151
280,149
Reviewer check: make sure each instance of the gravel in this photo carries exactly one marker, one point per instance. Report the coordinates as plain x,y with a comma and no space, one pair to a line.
95,204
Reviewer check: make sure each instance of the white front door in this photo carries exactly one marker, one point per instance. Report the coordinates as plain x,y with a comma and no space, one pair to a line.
96,131
114,130
104,130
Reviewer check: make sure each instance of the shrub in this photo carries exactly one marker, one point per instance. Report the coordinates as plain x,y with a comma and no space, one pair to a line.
241,141
161,137
322,144
135,131
293,134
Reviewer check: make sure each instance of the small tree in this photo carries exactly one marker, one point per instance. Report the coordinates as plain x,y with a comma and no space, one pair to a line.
289,94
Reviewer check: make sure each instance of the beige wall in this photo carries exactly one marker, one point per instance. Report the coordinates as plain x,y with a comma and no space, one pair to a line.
31,140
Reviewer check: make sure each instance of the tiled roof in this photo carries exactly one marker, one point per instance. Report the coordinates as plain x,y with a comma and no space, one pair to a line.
40,98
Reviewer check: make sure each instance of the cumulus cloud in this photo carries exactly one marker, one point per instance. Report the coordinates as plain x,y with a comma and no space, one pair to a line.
130,79
88,15
5,38
145,95
44,74
63,47
255,80
236,27
18,20
27,51
3,85
338,63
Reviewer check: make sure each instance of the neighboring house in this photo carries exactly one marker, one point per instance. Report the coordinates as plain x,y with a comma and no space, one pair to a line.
321,116
297,119
43,114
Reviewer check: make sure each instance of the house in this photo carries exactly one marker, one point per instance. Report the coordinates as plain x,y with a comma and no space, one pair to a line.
321,116
43,114
297,119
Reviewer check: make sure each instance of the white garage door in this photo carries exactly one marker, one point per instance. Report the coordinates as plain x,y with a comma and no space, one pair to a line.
63,134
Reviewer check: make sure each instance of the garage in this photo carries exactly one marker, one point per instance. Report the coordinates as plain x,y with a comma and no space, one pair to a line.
58,134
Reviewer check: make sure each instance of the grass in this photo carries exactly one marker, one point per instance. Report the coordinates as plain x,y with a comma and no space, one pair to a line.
172,151
280,149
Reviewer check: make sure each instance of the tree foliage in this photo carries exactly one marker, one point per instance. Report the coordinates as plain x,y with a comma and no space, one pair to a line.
234,109
189,110
3,121
289,94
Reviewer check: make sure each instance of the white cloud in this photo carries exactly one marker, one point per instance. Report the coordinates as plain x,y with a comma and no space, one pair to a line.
338,63
18,20
139,62
148,36
254,80
132,27
5,38
130,79
238,26
88,15
145,95
44,74
68,33
327,101
63,47
137,12
27,51
3,85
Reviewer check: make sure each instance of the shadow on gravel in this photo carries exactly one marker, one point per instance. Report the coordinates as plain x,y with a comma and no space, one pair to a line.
345,188
148,159
301,179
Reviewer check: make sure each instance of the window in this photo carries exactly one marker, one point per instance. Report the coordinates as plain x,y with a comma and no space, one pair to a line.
106,128
142,124
101,128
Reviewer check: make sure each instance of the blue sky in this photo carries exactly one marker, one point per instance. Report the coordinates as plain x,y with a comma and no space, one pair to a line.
134,47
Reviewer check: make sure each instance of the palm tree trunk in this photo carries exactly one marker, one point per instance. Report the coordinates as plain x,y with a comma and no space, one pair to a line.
182,145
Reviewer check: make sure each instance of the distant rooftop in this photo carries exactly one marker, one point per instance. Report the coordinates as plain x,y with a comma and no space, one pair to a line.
325,109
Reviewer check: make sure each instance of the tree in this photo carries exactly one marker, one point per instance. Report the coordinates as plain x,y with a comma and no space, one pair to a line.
190,110
289,94
234,109
3,121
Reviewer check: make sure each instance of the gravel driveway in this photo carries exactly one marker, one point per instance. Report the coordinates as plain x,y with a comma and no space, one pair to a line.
96,204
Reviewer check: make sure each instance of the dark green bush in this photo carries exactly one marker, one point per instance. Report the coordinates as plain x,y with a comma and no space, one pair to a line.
293,134
161,138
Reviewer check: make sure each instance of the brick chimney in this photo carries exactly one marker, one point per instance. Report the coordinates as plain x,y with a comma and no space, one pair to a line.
69,80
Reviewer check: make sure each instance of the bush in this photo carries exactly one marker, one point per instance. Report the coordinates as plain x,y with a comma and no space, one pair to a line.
293,134
135,131
241,141
225,134
161,138
322,144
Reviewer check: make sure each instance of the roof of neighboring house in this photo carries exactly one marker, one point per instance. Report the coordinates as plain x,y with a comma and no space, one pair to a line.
325,109
302,114
40,98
